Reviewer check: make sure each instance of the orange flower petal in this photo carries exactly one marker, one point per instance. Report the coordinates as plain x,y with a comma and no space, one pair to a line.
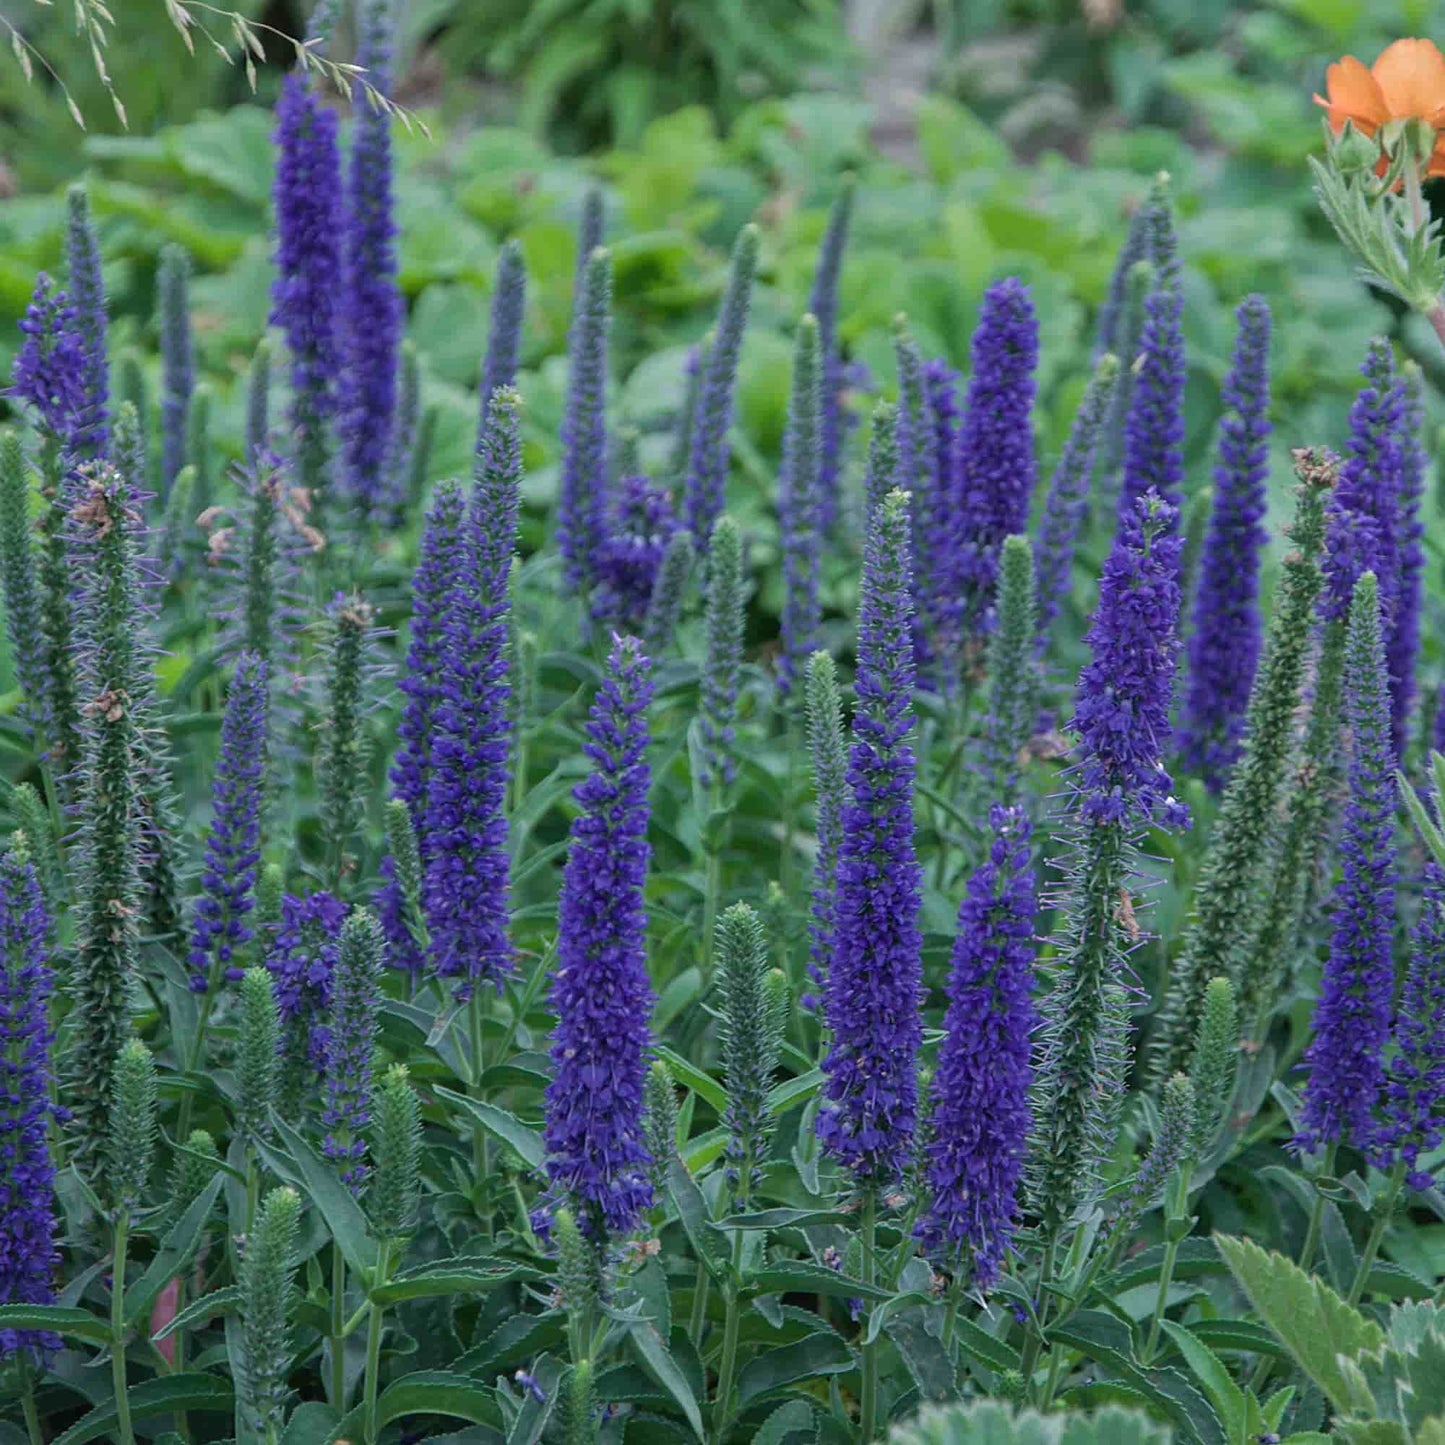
1411,76
1354,94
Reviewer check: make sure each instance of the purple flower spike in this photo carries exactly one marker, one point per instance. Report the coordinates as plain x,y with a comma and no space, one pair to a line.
220,931
981,1117
596,1154
1225,645
373,312
641,526
875,975
1403,646
49,367
1346,1057
28,1252
302,962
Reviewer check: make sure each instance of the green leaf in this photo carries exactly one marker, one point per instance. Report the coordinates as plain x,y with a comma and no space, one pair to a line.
504,1126
162,1396
695,1079
438,1392
451,1279
658,1361
218,1302
73,1324
817,1354
802,1277
923,1353
1238,1335
795,1415
692,1210
1312,1321
311,1424
341,1212
175,1253
1209,1370
780,1219
974,1340
795,1091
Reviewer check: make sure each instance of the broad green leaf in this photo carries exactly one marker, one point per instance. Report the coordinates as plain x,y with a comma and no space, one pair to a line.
438,1392
823,1353
1312,1321
694,1078
217,1302
311,1424
338,1208
175,1253
506,1127
974,1340
657,1359
990,1422
801,1277
162,1396
451,1279
796,1415
73,1324
692,1210
1238,1335
780,1219
1209,1370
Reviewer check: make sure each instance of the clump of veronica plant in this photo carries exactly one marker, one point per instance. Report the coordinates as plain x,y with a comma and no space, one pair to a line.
705,487
596,1157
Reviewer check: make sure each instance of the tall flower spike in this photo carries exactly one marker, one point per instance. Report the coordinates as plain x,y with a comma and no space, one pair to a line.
1346,1057
87,293
373,313
823,303
724,653
464,828
131,1146
996,469
664,607
1131,329
1213,1065
875,977
752,1035
128,451
1219,943
198,449
1109,331
405,467
708,452
344,748
18,576
504,339
258,407
884,468
305,297
351,1028
220,928
1066,503
799,510
439,568
267,1294
582,485
1225,643
50,367
1120,786
28,1252
114,688
1154,427
830,772
980,1118
1416,1087
1403,647
178,370
1013,686
257,1056
596,1156
392,1200
130,386
935,604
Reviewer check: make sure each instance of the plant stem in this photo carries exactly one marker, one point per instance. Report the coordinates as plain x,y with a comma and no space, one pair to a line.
125,1432
790,807
1383,1215
712,891
373,1347
868,1406
32,1415
1317,1217
1035,1342
1161,1300
721,1410
338,1328
698,1318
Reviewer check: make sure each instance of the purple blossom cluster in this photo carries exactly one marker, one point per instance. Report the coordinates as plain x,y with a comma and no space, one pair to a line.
302,962
981,1118
220,930
49,367
28,1252
596,1155
641,523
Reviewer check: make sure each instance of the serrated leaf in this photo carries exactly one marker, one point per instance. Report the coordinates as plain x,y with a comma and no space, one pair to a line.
174,1254
658,1361
338,1208
57,1319
438,1392
802,1277
795,1415
162,1396
451,1279
823,1353
219,1301
1209,1370
1311,1320
506,1127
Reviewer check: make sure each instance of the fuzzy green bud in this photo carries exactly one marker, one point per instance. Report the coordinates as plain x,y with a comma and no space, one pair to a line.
256,1060
665,606
57,624
191,1171
179,520
1352,150
751,1040
108,904
132,1144
724,652
1213,1064
1170,1149
393,1197
579,1413
1012,670
659,1124
576,1270
198,448
341,763
32,820
259,562
270,889
1229,897
881,473
128,447
406,858
258,405
267,1294
18,575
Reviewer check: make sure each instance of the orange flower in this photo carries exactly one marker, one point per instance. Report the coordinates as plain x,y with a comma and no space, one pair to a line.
1407,82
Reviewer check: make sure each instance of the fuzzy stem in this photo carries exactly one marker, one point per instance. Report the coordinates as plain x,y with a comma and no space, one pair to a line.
1161,1300
868,1406
712,891
1317,1217
721,1411
125,1432
698,1318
